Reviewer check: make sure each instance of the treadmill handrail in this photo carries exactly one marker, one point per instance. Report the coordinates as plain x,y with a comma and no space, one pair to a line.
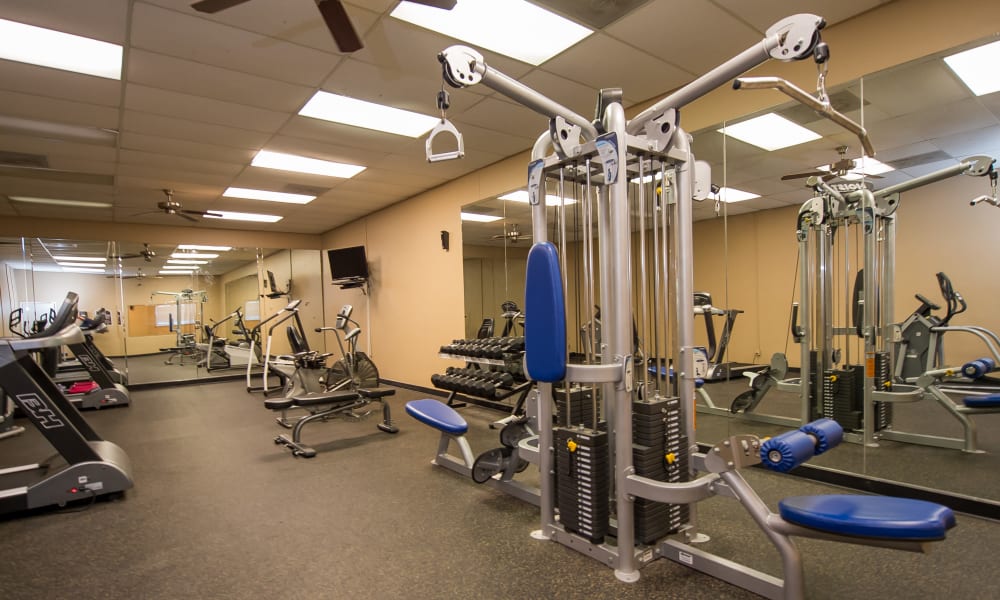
71,334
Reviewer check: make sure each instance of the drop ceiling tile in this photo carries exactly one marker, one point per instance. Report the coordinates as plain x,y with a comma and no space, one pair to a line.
194,150
98,19
383,85
507,117
56,110
197,79
197,108
53,83
978,141
446,170
52,148
179,162
346,136
767,12
159,173
82,165
324,150
192,131
914,88
938,121
601,61
670,30
191,37
481,138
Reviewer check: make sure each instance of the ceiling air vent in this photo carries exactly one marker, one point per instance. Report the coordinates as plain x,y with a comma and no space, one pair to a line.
308,190
918,159
595,13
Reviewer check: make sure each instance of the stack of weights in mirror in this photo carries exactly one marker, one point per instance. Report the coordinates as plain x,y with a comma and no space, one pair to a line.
658,443
495,366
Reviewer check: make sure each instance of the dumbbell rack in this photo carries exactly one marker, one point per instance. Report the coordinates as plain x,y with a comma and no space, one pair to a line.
498,371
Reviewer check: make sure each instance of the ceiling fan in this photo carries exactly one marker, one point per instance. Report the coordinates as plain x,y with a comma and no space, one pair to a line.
841,167
145,254
173,207
138,275
512,235
334,15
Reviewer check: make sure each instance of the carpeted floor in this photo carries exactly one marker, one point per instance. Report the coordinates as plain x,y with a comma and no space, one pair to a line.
219,511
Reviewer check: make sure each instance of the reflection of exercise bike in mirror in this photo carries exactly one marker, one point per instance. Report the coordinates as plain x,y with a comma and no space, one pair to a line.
222,353
354,370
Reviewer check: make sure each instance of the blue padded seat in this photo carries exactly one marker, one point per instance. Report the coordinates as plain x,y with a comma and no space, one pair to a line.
988,401
545,315
869,516
438,415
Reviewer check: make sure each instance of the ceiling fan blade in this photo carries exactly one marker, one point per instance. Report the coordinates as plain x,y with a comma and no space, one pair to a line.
214,6
340,26
442,4
183,215
803,175
148,212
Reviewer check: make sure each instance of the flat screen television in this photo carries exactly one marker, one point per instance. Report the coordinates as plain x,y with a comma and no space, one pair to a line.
348,263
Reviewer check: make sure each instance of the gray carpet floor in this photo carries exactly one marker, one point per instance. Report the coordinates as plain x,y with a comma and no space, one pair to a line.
219,511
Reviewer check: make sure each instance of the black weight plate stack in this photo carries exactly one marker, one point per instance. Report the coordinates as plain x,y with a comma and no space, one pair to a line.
577,409
583,482
843,396
883,376
658,453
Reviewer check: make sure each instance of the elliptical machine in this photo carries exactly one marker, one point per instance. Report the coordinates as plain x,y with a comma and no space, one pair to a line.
921,345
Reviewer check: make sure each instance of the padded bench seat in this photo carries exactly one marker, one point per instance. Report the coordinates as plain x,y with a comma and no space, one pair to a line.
988,401
313,399
869,516
438,415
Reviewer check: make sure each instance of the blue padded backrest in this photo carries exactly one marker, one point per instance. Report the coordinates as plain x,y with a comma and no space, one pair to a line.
544,315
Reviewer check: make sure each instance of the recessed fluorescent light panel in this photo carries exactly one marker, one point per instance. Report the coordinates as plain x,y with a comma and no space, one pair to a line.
200,247
175,261
360,113
241,216
162,272
977,68
522,196
478,218
60,202
79,263
179,267
58,50
99,259
249,194
302,164
770,132
193,255
514,28
730,195
82,270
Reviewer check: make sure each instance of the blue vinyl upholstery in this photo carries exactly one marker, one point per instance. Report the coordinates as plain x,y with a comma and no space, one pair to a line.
869,516
989,401
544,316
438,415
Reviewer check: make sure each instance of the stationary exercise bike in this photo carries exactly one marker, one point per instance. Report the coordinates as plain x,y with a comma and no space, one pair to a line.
355,370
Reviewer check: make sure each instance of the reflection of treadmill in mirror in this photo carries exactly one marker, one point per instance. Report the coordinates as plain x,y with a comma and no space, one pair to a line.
275,292
719,368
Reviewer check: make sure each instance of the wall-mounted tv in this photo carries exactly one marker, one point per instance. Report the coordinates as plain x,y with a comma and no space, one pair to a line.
348,263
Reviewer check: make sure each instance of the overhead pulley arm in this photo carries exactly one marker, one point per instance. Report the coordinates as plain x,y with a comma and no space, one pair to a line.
974,166
820,105
463,67
792,38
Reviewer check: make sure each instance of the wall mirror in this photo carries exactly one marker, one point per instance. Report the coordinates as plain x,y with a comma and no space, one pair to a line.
921,119
176,313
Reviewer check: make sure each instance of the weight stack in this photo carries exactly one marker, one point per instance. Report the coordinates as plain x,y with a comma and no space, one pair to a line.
658,442
843,395
583,481
883,379
576,410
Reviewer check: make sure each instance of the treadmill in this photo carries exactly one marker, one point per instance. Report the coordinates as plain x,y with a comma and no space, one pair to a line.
719,369
85,466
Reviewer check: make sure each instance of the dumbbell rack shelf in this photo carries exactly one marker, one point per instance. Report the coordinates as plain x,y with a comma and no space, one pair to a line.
510,364
496,362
